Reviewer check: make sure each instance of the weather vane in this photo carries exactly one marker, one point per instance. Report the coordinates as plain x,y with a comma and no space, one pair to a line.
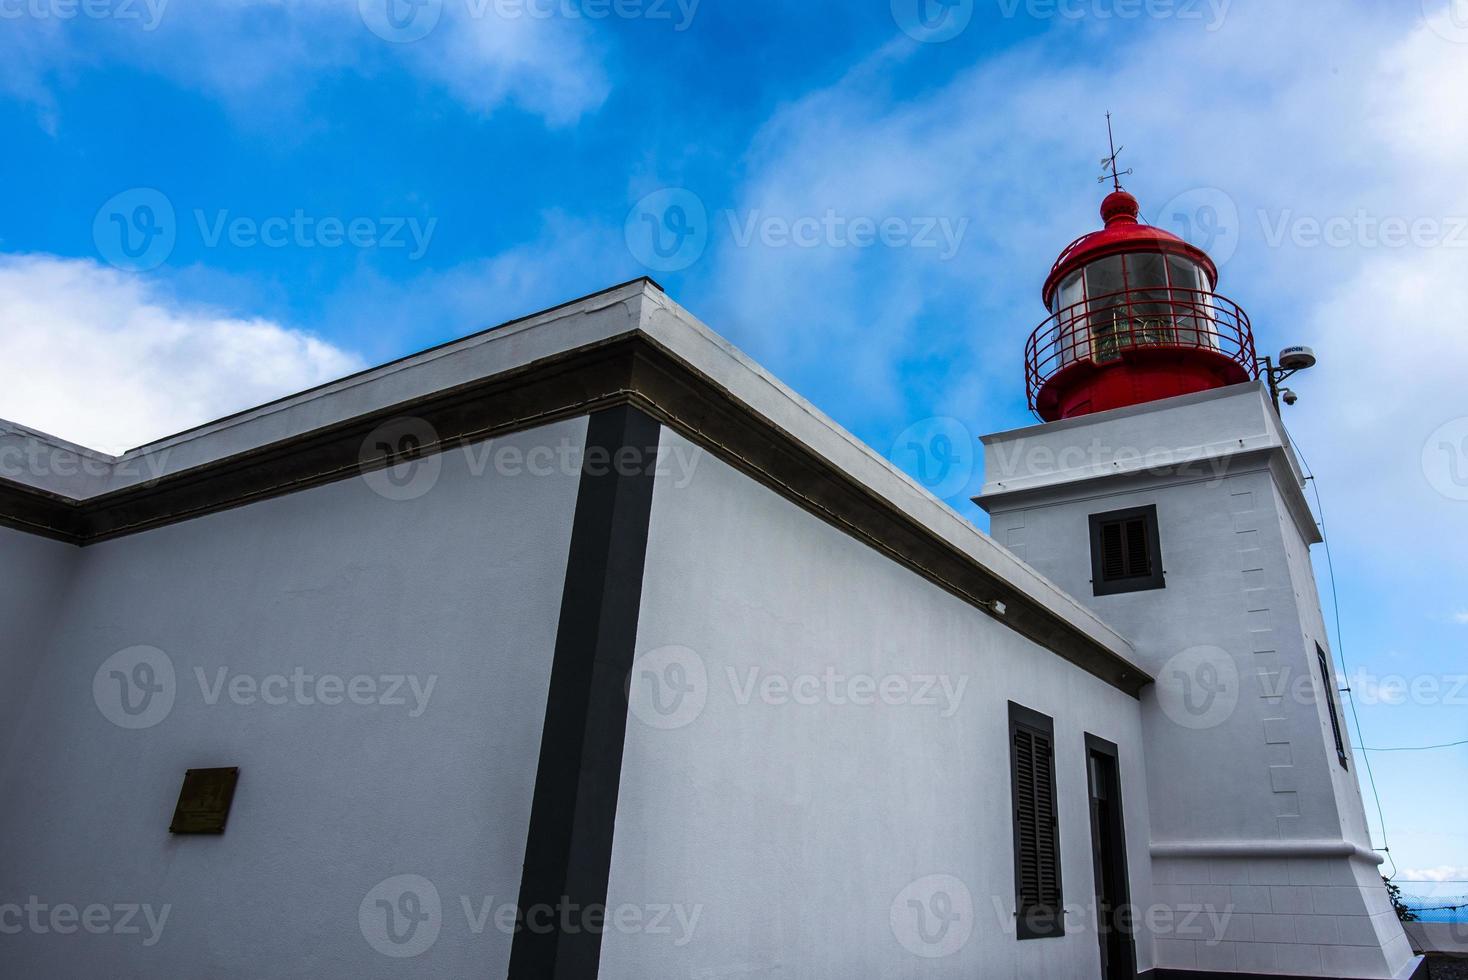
1114,175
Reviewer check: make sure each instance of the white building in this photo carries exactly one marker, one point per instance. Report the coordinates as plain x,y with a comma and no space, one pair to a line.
587,624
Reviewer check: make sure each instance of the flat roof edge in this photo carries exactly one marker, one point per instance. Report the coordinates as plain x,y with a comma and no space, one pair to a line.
656,355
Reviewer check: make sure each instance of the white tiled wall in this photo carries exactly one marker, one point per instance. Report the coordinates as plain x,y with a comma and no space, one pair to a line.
1312,917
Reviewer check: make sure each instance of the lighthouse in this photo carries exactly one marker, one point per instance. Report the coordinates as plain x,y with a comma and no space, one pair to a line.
755,703
1134,316
1161,489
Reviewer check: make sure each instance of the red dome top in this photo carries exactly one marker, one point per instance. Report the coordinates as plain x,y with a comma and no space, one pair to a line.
1132,332
1123,233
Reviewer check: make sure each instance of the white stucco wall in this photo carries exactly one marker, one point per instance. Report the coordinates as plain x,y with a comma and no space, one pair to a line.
33,576
1251,810
782,835
461,585
1348,790
1260,765
1212,583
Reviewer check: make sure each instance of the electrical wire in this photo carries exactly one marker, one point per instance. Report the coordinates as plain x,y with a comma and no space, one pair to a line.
1437,908
1341,650
1419,748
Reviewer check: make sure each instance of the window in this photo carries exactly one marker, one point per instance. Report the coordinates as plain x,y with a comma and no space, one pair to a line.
1070,323
1184,274
1106,308
1335,717
1150,306
1038,901
1126,553
1192,303
1071,292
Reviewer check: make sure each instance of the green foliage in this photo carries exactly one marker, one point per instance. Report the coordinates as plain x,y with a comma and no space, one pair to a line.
1400,907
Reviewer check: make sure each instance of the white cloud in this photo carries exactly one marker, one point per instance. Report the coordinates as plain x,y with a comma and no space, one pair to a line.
1461,618
107,360
546,67
1443,872
263,56
569,258
1294,114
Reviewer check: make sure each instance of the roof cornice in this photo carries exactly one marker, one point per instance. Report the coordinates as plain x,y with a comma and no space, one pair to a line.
628,345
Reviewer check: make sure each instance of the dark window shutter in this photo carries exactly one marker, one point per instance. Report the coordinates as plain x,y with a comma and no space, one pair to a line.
1335,718
1126,555
1113,564
1138,555
1025,806
1036,832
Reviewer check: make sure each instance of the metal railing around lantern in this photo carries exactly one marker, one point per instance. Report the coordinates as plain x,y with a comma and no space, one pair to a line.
1102,330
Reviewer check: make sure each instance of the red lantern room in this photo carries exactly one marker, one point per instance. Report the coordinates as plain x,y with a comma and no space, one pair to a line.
1133,318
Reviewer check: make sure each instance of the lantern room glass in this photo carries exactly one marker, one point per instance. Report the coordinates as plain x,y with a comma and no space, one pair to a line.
1129,300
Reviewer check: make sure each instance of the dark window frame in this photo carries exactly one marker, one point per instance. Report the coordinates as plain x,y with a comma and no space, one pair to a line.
1125,914
1330,704
1156,577
1036,920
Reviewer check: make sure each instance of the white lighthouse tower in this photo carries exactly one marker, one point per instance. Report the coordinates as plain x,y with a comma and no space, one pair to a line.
1161,489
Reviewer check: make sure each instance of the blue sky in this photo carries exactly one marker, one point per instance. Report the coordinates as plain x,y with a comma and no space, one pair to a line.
494,157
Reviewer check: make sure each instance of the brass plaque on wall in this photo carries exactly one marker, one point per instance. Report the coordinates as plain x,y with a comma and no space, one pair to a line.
204,801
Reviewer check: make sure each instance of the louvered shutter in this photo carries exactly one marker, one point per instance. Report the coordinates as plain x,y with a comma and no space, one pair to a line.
1138,550
1026,819
1113,562
1036,833
1047,859
1335,719
1126,555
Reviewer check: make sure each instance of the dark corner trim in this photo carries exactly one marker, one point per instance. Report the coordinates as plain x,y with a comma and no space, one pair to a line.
568,851
1421,973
